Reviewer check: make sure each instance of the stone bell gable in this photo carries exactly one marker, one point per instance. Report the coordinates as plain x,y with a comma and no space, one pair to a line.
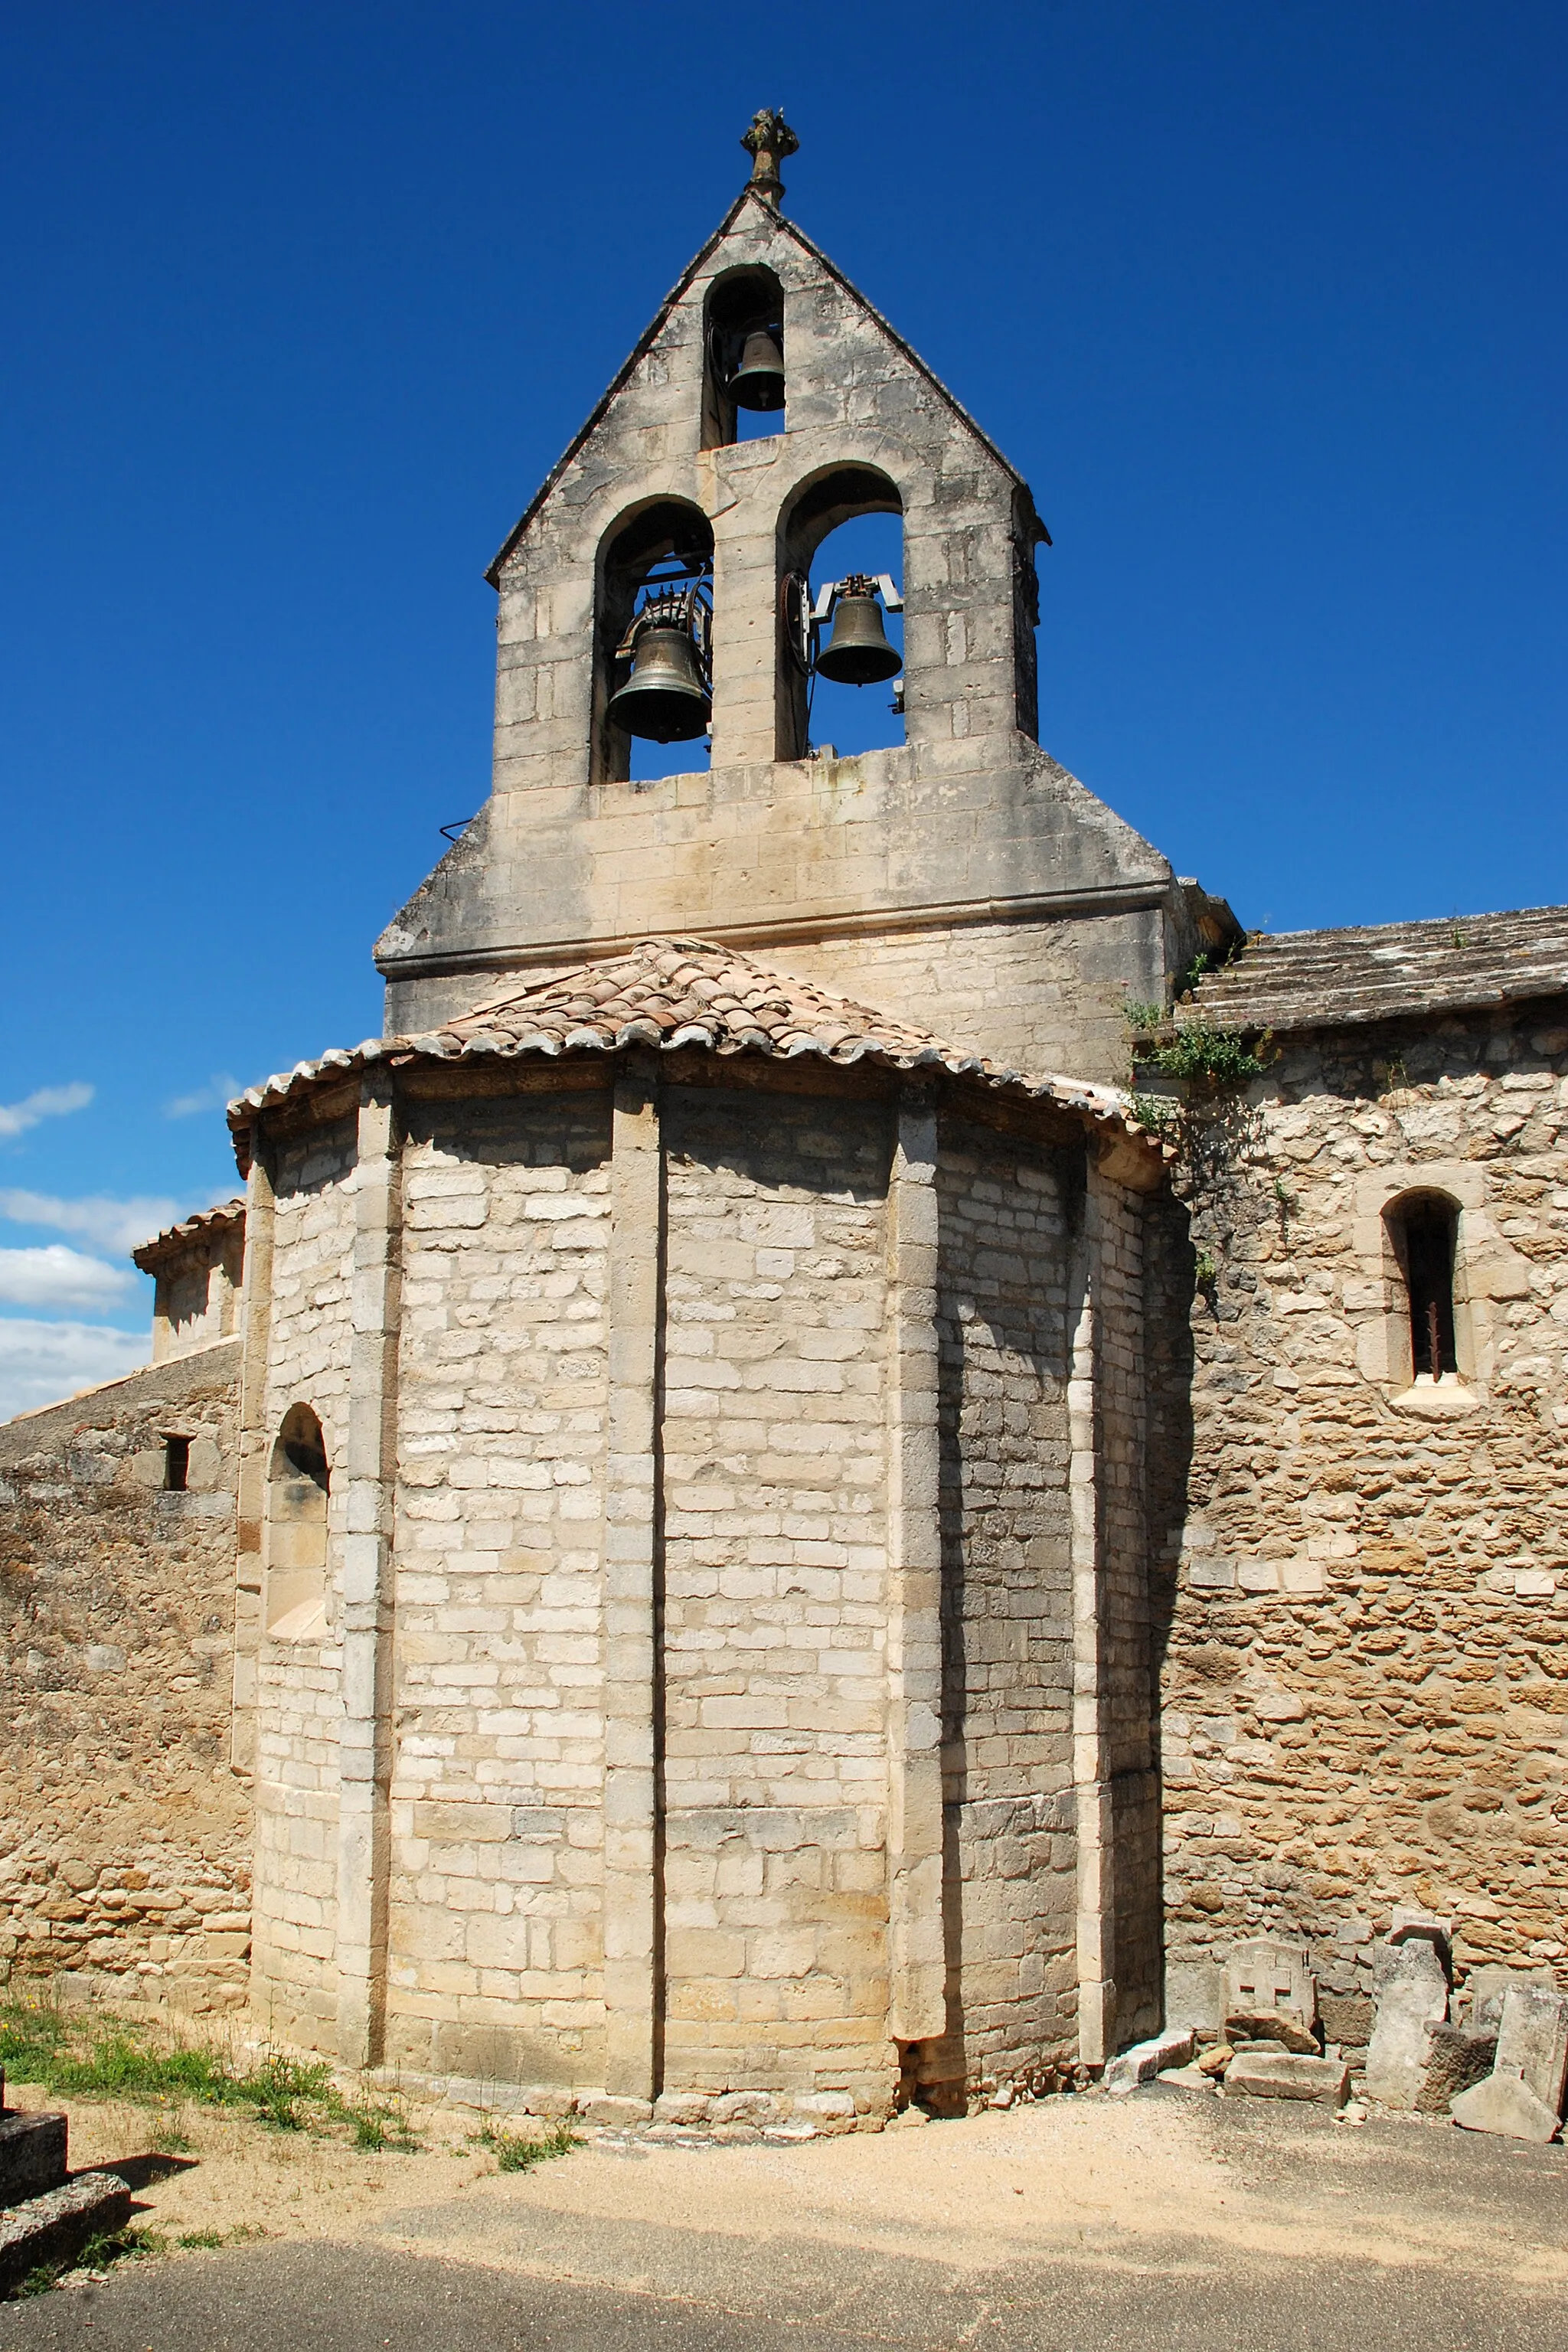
719,1408
964,880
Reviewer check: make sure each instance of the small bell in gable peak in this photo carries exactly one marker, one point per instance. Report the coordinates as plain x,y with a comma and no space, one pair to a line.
759,381
768,141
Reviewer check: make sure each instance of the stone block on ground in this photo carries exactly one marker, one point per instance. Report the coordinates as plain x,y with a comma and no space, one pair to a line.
1215,2061
1345,2018
1189,2078
32,2156
1283,2074
1505,2104
1264,1974
1194,1994
611,2112
1273,2026
1533,2041
1412,1988
1488,1987
685,2107
1139,2065
55,2228
1457,2058
746,2107
827,2107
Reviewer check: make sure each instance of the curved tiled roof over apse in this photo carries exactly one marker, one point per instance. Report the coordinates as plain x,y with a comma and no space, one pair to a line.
673,994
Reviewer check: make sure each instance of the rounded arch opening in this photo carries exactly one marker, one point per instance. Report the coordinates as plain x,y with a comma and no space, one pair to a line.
745,378
1423,1229
298,1484
847,524
664,548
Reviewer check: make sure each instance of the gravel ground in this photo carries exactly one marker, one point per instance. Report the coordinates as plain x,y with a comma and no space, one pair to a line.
1164,2217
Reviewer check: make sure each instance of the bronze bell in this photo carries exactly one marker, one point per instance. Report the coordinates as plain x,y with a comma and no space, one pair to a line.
857,653
759,381
664,699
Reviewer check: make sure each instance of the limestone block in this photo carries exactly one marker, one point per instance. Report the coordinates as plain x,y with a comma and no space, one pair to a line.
1282,2074
1272,2025
1264,1974
1194,1994
54,2227
1456,2058
1145,2060
609,2113
1533,2041
1411,1995
744,2107
1486,1989
32,2156
1505,2104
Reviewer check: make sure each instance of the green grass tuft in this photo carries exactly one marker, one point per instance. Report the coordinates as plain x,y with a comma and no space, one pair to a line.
520,2151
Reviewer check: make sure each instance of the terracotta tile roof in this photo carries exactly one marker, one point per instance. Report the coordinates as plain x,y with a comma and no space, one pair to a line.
670,994
150,1256
1320,979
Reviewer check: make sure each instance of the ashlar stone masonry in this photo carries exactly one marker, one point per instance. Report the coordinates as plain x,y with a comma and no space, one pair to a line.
712,1532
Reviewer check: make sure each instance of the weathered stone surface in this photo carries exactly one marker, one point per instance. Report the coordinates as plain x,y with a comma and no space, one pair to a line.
1214,2062
1346,2018
745,2107
128,1835
1411,1508
1412,1997
1533,2041
610,2112
1283,2074
1486,1988
1141,2065
1456,2059
32,2155
1263,1974
1505,2104
54,2227
1272,2025
1188,2078
683,2107
1195,1995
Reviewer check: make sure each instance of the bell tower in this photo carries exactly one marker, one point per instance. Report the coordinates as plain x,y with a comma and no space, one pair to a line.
659,586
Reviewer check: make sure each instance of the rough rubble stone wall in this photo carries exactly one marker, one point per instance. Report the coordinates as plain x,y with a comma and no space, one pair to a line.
775,1610
124,1835
1126,1658
1366,1682
1005,1211
496,1945
299,1702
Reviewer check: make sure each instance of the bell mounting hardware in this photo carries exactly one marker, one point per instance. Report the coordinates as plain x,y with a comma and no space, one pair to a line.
668,696
858,652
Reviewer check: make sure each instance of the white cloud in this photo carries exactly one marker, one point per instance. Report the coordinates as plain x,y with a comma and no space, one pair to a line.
43,1363
108,1223
220,1090
48,1102
56,1277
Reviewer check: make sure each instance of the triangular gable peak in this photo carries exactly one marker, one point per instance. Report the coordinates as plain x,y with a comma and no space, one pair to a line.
736,236
766,839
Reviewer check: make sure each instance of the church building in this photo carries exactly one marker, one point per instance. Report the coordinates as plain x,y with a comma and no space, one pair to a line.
865,1435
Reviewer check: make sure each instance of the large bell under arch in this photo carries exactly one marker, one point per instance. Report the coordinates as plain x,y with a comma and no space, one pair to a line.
653,682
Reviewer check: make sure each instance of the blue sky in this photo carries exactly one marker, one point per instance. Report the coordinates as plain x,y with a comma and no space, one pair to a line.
302,302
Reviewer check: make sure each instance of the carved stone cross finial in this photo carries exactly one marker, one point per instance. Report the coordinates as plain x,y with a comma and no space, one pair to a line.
768,141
